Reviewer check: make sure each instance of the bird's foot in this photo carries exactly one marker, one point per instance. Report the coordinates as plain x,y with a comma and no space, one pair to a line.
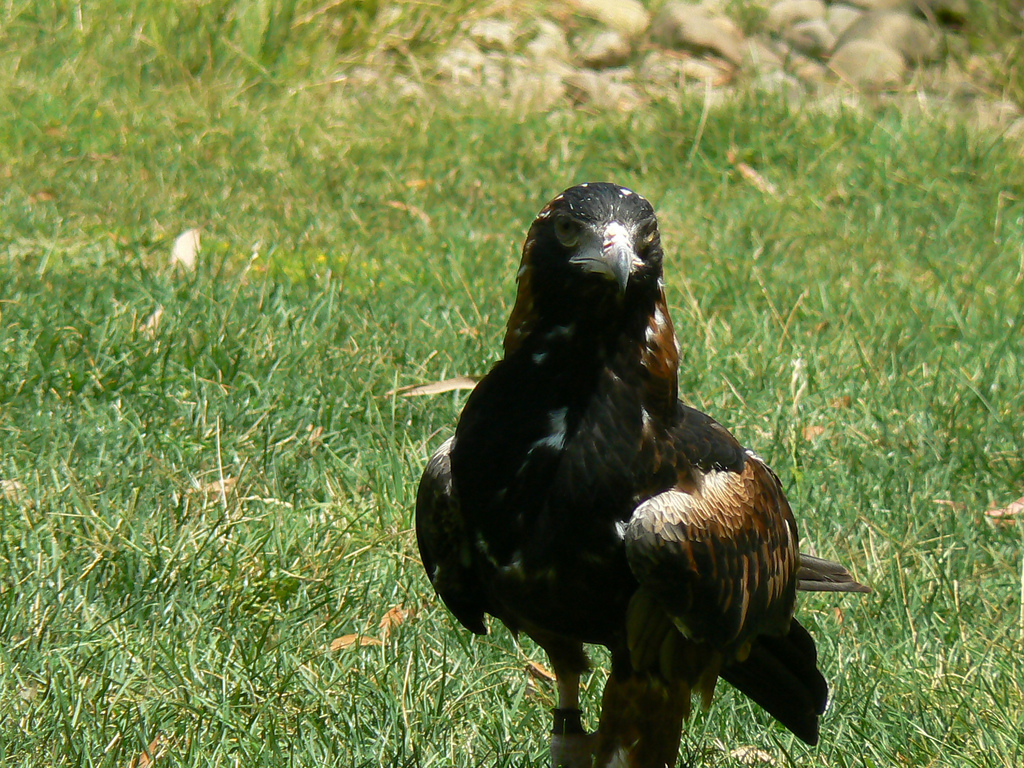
571,746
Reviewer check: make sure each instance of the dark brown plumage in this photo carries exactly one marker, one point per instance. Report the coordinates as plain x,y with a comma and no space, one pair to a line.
580,502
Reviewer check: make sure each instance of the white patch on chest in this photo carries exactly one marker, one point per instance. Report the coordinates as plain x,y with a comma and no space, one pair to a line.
560,332
556,438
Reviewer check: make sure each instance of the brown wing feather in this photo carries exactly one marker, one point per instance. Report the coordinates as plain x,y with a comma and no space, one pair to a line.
720,556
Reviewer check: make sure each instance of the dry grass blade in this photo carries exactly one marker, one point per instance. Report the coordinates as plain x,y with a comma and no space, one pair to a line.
347,641
152,323
812,431
156,749
752,756
221,485
1007,514
419,213
393,618
539,672
436,387
748,173
11,489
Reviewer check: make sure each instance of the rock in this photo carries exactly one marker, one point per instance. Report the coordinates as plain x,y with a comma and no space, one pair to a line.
690,27
840,16
494,73
662,68
493,34
884,5
549,43
912,37
812,37
810,72
868,64
781,83
628,17
950,13
608,89
539,86
666,70
760,57
997,115
603,49
785,13
707,71
461,64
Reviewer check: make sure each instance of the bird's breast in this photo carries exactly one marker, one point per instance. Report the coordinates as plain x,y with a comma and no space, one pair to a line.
545,482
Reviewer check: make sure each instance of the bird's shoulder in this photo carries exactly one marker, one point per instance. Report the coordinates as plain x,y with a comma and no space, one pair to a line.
717,545
697,440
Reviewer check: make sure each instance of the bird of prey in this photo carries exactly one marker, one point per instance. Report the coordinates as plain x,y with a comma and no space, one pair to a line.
580,502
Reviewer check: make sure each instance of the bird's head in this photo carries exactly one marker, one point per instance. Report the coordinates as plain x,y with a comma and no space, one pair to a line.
592,250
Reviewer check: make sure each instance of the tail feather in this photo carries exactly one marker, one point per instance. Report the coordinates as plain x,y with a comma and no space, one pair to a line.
818,575
781,675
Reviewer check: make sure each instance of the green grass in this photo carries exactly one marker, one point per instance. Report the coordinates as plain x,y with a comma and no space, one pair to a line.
194,509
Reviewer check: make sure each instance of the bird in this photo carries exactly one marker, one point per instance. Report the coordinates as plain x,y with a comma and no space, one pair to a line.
581,502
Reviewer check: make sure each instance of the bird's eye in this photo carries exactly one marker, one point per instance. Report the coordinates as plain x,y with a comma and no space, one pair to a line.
567,231
648,237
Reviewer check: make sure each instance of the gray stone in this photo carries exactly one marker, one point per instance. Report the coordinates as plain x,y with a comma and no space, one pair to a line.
602,49
707,71
662,69
667,70
781,83
493,34
910,36
840,16
549,43
951,13
868,64
690,27
628,17
608,89
539,85
997,115
884,5
785,13
761,57
812,37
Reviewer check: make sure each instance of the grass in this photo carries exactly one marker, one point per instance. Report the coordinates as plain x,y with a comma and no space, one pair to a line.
206,484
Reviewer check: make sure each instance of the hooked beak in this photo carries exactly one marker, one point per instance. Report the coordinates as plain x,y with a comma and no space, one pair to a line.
610,253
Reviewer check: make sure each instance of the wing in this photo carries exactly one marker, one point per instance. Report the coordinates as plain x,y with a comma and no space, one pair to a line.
719,555
704,443
817,575
444,545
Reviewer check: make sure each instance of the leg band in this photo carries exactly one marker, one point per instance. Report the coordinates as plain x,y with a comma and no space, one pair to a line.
566,722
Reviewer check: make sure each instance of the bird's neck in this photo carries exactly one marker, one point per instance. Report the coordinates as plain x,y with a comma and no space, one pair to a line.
635,339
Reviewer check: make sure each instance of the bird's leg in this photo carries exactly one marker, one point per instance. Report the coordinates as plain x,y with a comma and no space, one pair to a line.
571,746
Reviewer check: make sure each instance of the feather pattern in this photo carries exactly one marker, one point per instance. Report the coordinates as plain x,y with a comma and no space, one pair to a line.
580,502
